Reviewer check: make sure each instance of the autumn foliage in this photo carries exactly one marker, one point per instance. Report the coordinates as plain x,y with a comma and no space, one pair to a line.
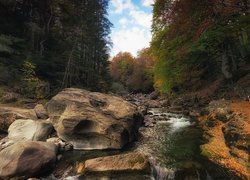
194,40
230,155
134,73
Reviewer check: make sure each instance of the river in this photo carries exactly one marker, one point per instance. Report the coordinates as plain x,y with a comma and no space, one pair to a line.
171,142
172,145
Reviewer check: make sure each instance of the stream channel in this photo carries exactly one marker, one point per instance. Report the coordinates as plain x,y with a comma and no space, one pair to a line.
171,142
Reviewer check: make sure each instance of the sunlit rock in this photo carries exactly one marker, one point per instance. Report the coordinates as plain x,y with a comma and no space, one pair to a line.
91,120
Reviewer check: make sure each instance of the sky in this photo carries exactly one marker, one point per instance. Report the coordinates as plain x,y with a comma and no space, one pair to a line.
131,21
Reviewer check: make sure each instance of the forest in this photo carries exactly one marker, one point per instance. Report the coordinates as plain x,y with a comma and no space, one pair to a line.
70,109
60,42
195,44
67,44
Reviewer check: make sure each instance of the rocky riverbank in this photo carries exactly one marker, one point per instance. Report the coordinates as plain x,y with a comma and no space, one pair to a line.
226,130
82,120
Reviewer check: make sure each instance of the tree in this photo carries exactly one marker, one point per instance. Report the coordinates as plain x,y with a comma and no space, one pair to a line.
122,67
134,73
68,41
195,42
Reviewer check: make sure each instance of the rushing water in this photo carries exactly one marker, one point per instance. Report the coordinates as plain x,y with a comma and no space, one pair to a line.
172,145
171,142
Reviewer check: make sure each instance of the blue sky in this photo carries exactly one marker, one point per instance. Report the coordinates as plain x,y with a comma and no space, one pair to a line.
132,21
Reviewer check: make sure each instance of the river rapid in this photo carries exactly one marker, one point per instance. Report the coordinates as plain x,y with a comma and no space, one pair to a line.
170,141
172,144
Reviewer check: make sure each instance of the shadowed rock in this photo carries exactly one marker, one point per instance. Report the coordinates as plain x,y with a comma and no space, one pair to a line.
26,159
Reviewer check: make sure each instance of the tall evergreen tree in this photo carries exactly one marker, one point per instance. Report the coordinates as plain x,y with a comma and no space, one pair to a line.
68,41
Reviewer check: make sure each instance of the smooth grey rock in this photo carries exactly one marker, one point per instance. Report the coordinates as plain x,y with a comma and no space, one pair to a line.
30,130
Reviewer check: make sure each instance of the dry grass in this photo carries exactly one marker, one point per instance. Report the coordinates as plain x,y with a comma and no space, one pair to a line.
217,150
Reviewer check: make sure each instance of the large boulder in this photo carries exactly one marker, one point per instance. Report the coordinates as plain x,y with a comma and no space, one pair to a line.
91,120
9,114
26,159
124,163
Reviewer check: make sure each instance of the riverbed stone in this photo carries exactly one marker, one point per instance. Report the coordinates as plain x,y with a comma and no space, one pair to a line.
153,104
41,112
123,163
154,95
62,146
10,114
30,130
91,120
26,129
26,159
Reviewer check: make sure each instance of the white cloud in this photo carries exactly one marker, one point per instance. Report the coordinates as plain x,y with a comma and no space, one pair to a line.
134,14
141,18
133,33
130,40
121,5
147,3
123,21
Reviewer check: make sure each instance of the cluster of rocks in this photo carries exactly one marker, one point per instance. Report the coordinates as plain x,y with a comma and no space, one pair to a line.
187,105
24,152
73,119
145,101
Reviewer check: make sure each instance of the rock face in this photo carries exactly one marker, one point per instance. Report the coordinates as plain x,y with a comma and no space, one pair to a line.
124,163
26,159
9,114
30,130
91,120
